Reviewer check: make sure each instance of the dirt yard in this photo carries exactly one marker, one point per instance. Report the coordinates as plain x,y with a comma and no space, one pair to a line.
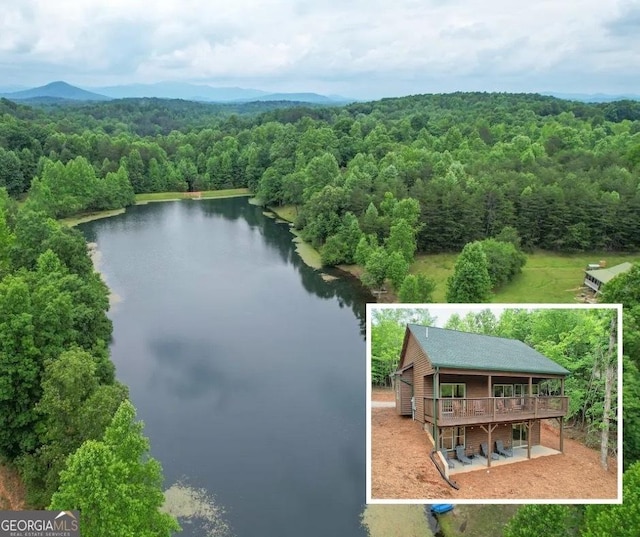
11,490
402,469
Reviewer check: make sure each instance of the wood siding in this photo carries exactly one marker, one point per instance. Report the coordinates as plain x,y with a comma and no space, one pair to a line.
404,384
474,435
421,367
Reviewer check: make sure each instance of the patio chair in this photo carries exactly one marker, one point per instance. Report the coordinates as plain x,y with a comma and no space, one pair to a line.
461,456
484,451
446,458
501,449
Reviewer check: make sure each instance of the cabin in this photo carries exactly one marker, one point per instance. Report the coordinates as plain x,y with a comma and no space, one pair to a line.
596,278
467,389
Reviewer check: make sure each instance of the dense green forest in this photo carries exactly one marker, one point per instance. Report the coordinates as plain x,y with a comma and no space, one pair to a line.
374,183
65,422
433,172
563,174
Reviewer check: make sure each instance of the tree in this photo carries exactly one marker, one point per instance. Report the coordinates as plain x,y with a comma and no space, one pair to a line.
470,280
115,483
620,520
19,368
397,269
402,239
536,520
610,368
482,322
625,289
366,245
504,261
375,270
341,247
387,333
11,176
67,418
417,289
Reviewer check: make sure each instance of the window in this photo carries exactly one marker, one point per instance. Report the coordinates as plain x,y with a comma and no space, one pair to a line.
452,390
452,437
523,389
448,392
519,435
503,390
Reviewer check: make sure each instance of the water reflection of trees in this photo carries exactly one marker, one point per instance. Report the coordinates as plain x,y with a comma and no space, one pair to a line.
347,290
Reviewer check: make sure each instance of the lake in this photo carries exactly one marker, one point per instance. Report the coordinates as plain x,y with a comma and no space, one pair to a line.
247,368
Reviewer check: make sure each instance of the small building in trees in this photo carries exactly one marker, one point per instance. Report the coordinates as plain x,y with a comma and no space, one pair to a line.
467,389
596,278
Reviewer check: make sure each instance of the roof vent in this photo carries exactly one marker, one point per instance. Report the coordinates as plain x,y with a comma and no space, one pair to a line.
426,331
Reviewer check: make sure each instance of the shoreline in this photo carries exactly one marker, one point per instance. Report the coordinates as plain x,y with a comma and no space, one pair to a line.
96,259
156,197
309,255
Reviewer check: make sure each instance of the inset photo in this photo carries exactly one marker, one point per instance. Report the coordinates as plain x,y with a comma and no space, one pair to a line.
494,403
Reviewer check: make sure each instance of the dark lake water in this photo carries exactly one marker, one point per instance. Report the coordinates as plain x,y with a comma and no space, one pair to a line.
247,368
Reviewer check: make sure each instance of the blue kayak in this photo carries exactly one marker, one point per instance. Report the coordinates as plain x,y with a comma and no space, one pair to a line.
440,508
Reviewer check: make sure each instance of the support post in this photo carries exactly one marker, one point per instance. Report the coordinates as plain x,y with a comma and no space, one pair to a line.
561,419
528,425
490,428
489,386
436,407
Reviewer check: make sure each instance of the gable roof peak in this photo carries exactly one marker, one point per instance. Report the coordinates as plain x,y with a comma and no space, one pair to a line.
456,349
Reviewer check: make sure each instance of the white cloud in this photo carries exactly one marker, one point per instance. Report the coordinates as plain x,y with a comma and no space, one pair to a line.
404,46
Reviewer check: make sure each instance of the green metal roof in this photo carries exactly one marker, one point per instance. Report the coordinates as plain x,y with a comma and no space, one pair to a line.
465,350
605,274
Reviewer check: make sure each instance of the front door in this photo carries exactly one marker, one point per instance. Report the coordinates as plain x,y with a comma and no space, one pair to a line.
519,435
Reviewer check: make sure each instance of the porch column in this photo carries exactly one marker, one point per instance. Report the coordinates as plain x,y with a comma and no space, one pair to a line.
528,425
561,418
530,386
489,386
490,428
436,409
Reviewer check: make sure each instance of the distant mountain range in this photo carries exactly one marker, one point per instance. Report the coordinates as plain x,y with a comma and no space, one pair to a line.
164,90
62,91
56,90
592,97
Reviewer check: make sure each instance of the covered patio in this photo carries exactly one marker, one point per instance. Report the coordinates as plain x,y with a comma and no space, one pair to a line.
519,454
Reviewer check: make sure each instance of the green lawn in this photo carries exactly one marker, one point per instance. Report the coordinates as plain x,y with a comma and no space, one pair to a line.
88,217
546,278
476,520
205,194
286,212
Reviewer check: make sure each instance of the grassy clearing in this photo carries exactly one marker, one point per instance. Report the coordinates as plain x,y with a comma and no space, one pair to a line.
476,520
81,219
396,521
285,212
205,194
546,278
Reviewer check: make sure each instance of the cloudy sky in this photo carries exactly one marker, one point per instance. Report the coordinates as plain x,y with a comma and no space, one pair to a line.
357,48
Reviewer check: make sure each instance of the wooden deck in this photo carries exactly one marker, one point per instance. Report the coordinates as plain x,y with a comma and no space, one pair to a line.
470,411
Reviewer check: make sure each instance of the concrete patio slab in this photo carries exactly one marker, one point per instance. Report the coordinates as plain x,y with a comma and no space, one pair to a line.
519,455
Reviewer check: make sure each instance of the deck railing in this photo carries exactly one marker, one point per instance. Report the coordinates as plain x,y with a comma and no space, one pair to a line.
478,409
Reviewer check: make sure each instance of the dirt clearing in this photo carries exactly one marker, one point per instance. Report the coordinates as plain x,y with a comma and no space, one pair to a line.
401,468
